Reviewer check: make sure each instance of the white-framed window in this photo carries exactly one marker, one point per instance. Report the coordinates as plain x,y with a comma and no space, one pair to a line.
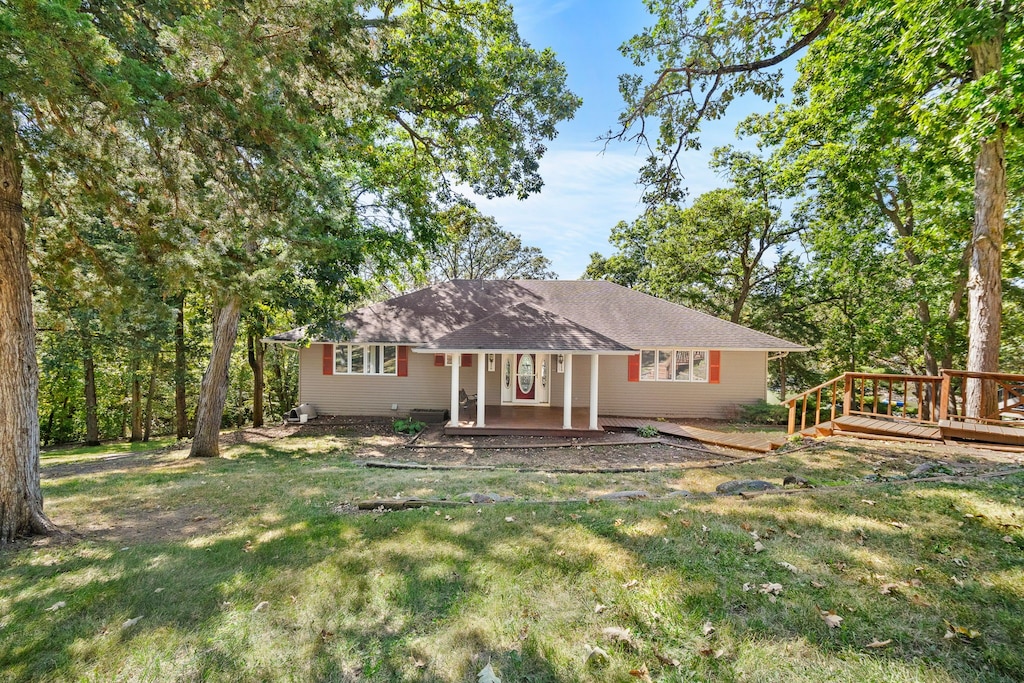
674,365
365,359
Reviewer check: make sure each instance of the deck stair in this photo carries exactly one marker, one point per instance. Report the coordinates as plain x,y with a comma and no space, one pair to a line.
911,407
757,443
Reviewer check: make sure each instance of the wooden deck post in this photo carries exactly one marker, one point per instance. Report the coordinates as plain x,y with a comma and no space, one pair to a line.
944,398
848,394
792,417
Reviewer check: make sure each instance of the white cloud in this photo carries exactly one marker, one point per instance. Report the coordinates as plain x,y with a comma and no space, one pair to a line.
585,194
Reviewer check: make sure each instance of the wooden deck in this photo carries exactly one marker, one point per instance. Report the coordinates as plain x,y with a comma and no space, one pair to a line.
737,440
991,433
896,429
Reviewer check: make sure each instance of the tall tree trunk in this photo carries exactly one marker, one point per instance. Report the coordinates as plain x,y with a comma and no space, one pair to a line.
92,423
256,351
985,293
181,422
21,497
147,420
136,398
214,389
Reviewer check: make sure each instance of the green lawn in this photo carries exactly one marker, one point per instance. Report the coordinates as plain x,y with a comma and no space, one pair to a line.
196,548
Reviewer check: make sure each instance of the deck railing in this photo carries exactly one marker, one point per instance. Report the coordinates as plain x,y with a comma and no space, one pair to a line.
925,399
914,398
1002,390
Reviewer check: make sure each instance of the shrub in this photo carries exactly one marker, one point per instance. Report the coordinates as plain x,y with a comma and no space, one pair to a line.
409,426
764,413
647,431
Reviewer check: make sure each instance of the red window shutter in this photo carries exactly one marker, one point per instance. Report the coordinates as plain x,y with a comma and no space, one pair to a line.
403,361
328,359
714,367
467,360
633,368
439,360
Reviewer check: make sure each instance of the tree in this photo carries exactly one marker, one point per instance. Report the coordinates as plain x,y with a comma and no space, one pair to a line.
953,66
474,247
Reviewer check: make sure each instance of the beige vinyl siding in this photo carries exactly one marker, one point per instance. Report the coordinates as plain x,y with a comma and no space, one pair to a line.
743,381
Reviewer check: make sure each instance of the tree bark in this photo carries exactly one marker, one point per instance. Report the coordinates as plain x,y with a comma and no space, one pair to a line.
984,280
21,497
92,424
214,388
147,420
256,351
136,389
180,372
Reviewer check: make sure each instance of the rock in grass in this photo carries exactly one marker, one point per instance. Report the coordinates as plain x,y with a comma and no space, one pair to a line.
923,469
795,480
743,485
482,498
623,495
679,493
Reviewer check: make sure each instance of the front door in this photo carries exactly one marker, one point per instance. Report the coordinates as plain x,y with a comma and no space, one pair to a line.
526,377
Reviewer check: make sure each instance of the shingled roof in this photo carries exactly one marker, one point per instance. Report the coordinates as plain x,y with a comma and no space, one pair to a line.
542,315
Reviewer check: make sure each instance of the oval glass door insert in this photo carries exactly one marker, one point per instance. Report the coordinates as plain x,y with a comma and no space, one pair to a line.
525,373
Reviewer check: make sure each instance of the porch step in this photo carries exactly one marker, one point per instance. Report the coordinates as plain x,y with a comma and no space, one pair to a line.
887,428
518,431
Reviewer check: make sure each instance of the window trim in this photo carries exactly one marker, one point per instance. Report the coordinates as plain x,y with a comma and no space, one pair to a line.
673,356
371,359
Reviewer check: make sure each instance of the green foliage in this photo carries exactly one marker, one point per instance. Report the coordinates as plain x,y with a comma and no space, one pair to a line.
405,425
765,413
647,431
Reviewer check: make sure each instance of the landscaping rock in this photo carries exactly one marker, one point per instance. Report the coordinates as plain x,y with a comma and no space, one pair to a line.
623,495
742,485
482,498
678,494
923,469
795,480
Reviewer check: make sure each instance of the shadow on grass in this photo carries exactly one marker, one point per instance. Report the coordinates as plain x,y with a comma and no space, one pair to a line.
416,596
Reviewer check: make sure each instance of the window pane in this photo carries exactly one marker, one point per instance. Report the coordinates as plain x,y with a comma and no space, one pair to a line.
340,359
372,360
390,360
682,366
357,353
664,365
647,362
700,366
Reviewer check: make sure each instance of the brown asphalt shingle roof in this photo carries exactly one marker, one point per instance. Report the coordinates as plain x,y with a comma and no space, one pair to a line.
566,315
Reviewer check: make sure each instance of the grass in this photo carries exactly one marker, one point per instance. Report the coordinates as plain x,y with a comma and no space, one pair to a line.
434,595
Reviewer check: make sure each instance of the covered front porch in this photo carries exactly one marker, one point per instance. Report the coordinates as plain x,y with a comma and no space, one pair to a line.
519,420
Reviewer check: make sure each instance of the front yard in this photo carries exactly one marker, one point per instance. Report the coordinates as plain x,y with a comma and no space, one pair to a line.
259,566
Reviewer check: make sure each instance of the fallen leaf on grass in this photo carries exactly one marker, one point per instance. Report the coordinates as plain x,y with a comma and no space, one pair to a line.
758,546
746,527
56,606
325,635
262,606
508,519
717,654
487,675
876,643
747,587
642,673
865,500
573,516
619,522
831,619
707,629
686,523
1008,539
666,661
419,663
899,525
817,584
618,634
793,535
888,588
919,601
787,565
954,631
131,622
448,518
594,652
630,584
770,588
598,608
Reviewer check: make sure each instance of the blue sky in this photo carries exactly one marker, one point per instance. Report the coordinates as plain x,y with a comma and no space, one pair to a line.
588,188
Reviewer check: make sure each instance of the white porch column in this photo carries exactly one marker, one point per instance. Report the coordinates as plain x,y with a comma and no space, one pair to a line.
593,390
456,362
567,394
481,382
